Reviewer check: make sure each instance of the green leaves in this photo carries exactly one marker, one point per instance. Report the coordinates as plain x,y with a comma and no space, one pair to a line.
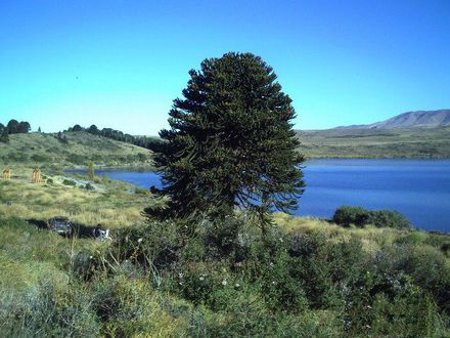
231,142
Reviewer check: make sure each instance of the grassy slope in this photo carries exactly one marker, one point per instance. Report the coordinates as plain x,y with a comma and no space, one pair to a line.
80,147
112,203
376,143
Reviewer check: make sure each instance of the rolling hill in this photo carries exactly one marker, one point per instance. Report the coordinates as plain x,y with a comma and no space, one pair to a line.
70,149
376,143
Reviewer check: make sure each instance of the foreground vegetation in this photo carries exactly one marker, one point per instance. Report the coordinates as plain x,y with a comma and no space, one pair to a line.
376,143
305,277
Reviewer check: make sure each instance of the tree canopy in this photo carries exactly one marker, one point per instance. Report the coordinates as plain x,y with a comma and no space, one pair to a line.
13,127
16,127
231,141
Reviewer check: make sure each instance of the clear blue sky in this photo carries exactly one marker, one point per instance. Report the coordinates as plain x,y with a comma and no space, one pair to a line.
120,64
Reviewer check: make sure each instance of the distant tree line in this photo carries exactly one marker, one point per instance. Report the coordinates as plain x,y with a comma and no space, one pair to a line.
152,143
13,127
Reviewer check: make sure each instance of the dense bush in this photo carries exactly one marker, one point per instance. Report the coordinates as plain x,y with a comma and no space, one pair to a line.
360,217
186,279
69,182
347,215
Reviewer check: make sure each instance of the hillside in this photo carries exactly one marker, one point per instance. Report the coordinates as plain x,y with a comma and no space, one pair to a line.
414,119
70,149
376,143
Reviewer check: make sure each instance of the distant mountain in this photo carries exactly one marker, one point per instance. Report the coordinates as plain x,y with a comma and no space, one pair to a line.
414,119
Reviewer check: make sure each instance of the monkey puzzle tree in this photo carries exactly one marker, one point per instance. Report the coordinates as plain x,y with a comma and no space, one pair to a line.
231,142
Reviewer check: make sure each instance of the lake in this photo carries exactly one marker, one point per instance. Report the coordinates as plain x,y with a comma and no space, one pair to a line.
420,189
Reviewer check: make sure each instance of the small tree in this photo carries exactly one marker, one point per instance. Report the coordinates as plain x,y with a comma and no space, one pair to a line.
93,130
77,127
12,127
231,142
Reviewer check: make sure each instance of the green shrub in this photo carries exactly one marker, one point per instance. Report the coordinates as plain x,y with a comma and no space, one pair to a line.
91,262
348,262
156,244
429,269
311,264
196,282
360,217
221,237
390,304
348,215
69,182
388,219
281,288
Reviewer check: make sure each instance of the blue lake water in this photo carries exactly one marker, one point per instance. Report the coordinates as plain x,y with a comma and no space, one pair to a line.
420,189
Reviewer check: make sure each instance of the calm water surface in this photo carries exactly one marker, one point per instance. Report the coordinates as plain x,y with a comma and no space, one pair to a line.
418,189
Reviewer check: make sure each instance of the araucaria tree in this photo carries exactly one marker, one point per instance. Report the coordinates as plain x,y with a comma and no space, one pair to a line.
231,142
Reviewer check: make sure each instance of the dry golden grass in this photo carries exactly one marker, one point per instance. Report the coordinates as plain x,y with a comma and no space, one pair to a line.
372,238
112,204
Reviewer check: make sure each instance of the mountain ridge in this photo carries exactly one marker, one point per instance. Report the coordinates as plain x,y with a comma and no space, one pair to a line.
412,119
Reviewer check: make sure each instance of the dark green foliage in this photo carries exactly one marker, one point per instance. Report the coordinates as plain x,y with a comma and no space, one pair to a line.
141,141
76,127
13,127
153,246
388,219
389,304
311,264
429,270
69,182
93,130
347,215
280,286
231,141
360,217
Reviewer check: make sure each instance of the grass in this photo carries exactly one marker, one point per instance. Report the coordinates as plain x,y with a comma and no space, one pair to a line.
55,286
114,204
376,143
75,149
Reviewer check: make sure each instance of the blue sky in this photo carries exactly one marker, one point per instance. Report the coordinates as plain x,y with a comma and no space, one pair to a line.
120,64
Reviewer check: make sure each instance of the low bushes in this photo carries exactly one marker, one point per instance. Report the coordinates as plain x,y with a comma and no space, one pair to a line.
69,182
360,217
198,279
